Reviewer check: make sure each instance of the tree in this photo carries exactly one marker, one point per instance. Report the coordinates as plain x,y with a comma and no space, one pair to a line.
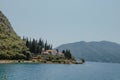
28,55
82,60
57,50
63,51
67,54
38,49
36,46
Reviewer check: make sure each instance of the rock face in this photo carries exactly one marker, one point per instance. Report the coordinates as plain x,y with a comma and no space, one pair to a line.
10,42
103,51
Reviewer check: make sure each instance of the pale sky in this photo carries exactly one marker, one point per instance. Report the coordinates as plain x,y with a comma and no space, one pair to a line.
64,21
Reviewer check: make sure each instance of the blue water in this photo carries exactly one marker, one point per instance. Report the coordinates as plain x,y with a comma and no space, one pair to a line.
87,71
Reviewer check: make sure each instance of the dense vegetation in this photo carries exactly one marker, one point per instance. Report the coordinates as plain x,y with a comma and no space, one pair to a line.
11,46
67,54
36,46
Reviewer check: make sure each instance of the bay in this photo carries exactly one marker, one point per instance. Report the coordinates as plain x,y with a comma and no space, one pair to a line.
87,71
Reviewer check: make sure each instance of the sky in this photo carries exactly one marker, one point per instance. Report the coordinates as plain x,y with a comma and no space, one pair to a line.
64,21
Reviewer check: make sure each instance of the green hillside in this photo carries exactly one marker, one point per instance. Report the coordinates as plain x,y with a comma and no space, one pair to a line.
11,45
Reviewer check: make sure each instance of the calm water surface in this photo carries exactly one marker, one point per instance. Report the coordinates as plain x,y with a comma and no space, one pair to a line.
87,71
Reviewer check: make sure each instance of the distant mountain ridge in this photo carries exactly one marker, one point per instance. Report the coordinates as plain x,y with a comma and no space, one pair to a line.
103,51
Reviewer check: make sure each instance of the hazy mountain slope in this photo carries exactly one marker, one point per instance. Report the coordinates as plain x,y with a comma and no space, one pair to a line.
103,51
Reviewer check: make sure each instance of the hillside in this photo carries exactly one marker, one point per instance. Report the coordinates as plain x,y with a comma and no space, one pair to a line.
13,48
11,45
103,51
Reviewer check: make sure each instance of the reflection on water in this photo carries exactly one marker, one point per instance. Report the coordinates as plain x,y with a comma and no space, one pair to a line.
87,71
4,77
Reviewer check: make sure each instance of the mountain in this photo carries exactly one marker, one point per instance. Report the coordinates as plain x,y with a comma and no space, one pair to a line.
103,51
11,45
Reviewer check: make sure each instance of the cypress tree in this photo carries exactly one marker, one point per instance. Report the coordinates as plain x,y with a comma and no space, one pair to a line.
36,46
67,54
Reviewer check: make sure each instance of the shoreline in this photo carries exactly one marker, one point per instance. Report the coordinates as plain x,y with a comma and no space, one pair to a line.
11,61
36,61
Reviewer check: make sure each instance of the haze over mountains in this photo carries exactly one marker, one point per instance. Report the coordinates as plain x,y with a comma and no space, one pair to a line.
103,51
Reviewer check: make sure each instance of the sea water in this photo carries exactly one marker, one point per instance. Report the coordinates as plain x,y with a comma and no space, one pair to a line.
87,71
